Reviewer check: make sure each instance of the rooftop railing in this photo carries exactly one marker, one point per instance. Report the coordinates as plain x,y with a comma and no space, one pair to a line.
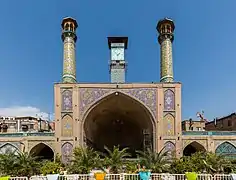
184,133
209,133
22,134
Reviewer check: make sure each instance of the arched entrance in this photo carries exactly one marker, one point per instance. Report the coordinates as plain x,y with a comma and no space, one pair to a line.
193,148
42,151
119,120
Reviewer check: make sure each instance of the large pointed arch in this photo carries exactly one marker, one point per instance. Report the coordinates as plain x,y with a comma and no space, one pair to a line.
42,151
226,149
192,148
119,112
110,94
9,148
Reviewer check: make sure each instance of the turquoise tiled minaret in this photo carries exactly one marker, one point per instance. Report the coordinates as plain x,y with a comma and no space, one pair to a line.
166,27
69,38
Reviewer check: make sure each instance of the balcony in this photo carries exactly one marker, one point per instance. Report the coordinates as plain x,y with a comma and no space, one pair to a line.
23,134
209,133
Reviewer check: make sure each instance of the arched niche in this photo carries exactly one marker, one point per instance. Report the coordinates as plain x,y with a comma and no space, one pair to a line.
66,151
67,126
226,149
170,148
192,148
9,148
169,125
42,152
66,100
169,100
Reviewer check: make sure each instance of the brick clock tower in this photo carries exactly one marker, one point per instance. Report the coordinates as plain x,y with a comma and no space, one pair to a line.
83,111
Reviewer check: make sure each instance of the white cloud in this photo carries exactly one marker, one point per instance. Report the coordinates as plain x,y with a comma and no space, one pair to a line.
24,111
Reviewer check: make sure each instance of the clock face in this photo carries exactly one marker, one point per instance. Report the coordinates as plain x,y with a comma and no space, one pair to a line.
117,54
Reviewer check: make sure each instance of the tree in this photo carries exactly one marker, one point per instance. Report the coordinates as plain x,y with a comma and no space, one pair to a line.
7,163
201,162
115,159
157,162
84,160
18,164
26,164
50,167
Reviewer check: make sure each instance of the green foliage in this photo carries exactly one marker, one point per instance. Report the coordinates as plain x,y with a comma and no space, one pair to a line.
26,164
116,159
18,164
50,168
7,163
201,162
84,160
157,162
131,167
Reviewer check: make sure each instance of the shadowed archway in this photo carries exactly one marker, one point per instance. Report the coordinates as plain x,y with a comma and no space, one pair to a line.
193,148
119,120
42,151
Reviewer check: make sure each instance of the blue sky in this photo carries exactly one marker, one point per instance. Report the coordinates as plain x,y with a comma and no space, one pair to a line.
204,49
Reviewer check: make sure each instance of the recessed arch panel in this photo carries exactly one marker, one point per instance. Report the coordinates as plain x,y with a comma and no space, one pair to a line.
119,119
9,148
66,151
42,151
90,97
192,148
169,125
169,100
67,126
170,148
226,149
67,100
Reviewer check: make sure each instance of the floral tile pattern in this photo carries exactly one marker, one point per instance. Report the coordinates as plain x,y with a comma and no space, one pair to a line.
169,121
169,100
67,100
67,126
66,150
89,96
169,147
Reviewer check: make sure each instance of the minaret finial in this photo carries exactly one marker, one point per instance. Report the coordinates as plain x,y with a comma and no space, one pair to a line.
69,38
166,27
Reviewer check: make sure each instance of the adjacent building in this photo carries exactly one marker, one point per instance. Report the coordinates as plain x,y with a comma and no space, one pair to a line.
24,124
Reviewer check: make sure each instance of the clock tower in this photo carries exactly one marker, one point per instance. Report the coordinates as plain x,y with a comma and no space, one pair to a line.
117,46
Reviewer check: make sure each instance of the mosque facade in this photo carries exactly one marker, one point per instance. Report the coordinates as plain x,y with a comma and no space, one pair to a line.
139,116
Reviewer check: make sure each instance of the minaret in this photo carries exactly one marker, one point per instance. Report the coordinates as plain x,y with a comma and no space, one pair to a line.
117,46
166,27
69,38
